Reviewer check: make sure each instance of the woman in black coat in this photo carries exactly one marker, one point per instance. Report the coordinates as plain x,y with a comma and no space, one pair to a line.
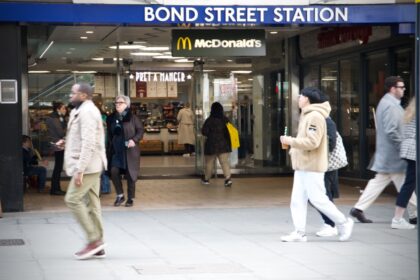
125,131
217,143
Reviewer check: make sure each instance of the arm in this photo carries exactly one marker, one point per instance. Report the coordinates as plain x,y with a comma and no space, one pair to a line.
88,128
138,125
314,131
391,126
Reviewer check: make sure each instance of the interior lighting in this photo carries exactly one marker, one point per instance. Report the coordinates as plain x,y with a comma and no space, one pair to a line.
273,32
229,60
165,57
154,48
241,72
250,79
83,37
131,76
183,60
89,32
62,70
46,49
145,53
189,77
83,72
127,47
38,72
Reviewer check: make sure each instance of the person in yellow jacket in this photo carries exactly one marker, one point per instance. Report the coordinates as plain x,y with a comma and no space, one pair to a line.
309,155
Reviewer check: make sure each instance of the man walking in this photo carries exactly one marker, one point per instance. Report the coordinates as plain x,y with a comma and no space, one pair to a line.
85,159
309,154
387,162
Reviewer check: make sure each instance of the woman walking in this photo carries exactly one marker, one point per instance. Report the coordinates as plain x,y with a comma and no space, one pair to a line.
217,144
408,152
124,133
186,129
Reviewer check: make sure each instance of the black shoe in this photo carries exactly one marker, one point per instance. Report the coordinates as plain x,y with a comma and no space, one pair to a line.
413,221
360,216
57,192
129,203
204,181
228,182
119,200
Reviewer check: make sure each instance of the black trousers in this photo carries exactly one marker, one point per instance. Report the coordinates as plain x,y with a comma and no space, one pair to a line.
409,185
58,168
189,148
116,177
331,183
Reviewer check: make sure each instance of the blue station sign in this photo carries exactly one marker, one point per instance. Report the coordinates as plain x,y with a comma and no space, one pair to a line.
159,14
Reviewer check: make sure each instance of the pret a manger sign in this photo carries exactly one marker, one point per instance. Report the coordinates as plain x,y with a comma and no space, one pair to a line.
160,76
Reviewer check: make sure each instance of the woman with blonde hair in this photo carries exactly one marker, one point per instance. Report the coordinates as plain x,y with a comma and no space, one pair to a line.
407,152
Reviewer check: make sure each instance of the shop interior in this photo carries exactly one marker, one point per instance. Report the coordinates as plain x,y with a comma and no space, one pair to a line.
129,60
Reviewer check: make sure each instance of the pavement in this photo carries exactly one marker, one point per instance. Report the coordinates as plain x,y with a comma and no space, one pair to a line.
179,229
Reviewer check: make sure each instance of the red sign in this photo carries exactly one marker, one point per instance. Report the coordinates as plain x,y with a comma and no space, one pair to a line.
337,35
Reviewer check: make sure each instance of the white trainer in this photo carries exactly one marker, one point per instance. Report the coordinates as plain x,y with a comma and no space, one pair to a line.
345,230
401,224
295,236
327,231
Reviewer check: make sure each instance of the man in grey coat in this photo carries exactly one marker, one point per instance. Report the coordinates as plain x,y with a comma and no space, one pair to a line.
387,162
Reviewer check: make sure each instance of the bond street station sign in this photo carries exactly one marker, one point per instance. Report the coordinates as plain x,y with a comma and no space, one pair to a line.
212,42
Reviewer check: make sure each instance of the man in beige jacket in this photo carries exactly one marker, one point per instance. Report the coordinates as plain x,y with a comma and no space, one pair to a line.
309,154
84,160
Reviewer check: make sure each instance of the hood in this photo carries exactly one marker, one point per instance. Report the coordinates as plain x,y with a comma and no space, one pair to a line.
323,108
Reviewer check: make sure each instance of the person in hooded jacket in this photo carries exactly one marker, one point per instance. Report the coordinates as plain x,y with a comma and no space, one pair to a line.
309,155
125,130
217,143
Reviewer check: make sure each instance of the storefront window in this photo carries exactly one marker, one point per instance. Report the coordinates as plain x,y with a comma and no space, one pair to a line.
377,71
329,76
311,76
349,111
404,67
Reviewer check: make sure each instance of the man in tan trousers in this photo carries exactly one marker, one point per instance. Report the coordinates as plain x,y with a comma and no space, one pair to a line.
84,160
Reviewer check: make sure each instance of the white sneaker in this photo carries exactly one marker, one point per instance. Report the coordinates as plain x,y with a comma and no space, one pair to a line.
327,231
295,236
401,224
345,230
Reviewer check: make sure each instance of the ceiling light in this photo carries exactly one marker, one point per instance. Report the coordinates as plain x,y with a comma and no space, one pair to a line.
131,76
229,60
167,52
209,70
68,52
241,72
127,47
273,32
165,57
250,79
189,77
183,60
83,72
145,53
89,32
72,49
154,48
101,58
38,71
46,49
83,37
62,70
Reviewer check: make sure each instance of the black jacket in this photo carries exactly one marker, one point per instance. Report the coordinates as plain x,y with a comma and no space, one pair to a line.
29,159
331,133
218,138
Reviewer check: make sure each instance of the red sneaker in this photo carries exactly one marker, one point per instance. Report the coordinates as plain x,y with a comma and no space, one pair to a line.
90,250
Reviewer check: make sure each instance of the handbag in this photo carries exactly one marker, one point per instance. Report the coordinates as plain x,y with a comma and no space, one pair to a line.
337,158
234,135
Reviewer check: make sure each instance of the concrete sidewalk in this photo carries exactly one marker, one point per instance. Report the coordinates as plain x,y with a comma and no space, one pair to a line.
191,241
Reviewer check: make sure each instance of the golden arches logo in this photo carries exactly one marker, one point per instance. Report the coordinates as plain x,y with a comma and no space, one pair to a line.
183,43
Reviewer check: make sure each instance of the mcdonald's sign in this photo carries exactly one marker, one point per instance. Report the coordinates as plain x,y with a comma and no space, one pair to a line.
183,43
212,43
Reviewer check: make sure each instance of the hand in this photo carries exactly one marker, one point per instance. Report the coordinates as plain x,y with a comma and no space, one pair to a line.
285,139
78,179
131,143
60,144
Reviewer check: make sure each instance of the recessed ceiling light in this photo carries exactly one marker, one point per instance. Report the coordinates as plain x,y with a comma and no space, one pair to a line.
83,37
241,72
165,57
273,32
250,79
183,60
84,72
154,48
38,71
89,32
229,60
72,49
62,70
127,47
68,52
145,53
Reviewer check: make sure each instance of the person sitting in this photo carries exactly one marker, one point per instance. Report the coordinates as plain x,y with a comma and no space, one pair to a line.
30,163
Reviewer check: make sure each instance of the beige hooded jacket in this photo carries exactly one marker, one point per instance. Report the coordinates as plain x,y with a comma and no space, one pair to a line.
309,149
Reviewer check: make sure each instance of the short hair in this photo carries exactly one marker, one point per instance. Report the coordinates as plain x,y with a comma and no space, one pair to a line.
25,138
85,88
313,94
392,81
57,105
126,99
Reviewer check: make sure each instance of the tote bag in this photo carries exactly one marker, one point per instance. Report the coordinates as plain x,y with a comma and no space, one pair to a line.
337,158
234,135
